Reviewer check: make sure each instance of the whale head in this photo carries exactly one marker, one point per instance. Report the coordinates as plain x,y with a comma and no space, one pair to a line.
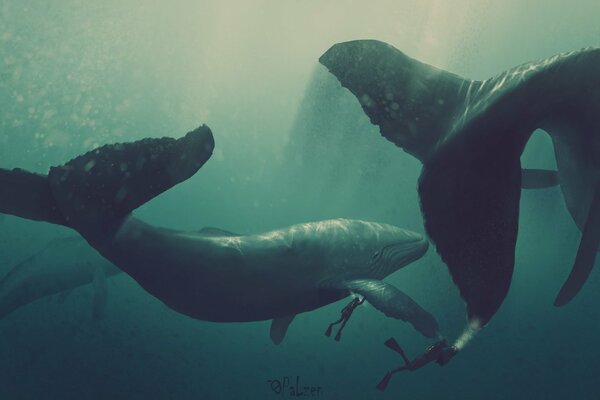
360,249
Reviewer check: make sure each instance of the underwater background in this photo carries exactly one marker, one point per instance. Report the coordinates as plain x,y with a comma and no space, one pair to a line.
291,146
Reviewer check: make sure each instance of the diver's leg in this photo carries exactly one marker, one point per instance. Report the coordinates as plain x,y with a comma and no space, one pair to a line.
386,379
346,314
330,327
393,345
338,335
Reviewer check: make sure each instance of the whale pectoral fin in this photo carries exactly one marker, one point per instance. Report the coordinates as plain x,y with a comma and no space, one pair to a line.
470,195
586,254
538,178
100,295
279,327
396,304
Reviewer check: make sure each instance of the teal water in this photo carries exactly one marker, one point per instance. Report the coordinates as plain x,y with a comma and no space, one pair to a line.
291,146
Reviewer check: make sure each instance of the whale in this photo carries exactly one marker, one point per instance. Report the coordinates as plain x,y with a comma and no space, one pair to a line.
61,266
212,274
469,135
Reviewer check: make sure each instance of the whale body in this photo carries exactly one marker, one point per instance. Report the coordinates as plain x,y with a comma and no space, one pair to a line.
59,267
212,274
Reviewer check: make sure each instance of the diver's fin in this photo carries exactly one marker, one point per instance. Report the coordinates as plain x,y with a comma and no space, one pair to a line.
100,294
28,195
412,103
97,190
586,254
395,304
279,327
538,178
210,231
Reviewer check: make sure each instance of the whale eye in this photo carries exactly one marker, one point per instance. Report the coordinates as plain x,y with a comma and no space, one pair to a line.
375,255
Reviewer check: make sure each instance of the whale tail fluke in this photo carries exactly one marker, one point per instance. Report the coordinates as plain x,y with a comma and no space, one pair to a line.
470,135
94,192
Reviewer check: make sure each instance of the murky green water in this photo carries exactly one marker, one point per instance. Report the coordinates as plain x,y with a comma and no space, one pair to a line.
291,146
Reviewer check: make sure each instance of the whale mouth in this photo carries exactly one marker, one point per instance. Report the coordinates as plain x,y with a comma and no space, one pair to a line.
403,253
398,254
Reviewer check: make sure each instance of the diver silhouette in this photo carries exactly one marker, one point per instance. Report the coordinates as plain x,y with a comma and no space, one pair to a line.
346,313
439,352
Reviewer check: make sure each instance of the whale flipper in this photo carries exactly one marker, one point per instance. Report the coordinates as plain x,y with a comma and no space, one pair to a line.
538,178
395,304
468,133
279,327
586,255
471,210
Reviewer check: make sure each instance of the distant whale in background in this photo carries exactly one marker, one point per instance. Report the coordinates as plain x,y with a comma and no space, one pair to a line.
469,135
62,265
212,274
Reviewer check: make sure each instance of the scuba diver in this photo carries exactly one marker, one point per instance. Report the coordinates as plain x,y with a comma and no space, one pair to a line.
439,352
346,313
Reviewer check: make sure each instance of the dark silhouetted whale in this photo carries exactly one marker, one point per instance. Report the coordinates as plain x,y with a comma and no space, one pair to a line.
469,135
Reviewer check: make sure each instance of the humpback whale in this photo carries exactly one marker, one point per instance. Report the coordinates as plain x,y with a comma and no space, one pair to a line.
469,135
60,266
213,274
